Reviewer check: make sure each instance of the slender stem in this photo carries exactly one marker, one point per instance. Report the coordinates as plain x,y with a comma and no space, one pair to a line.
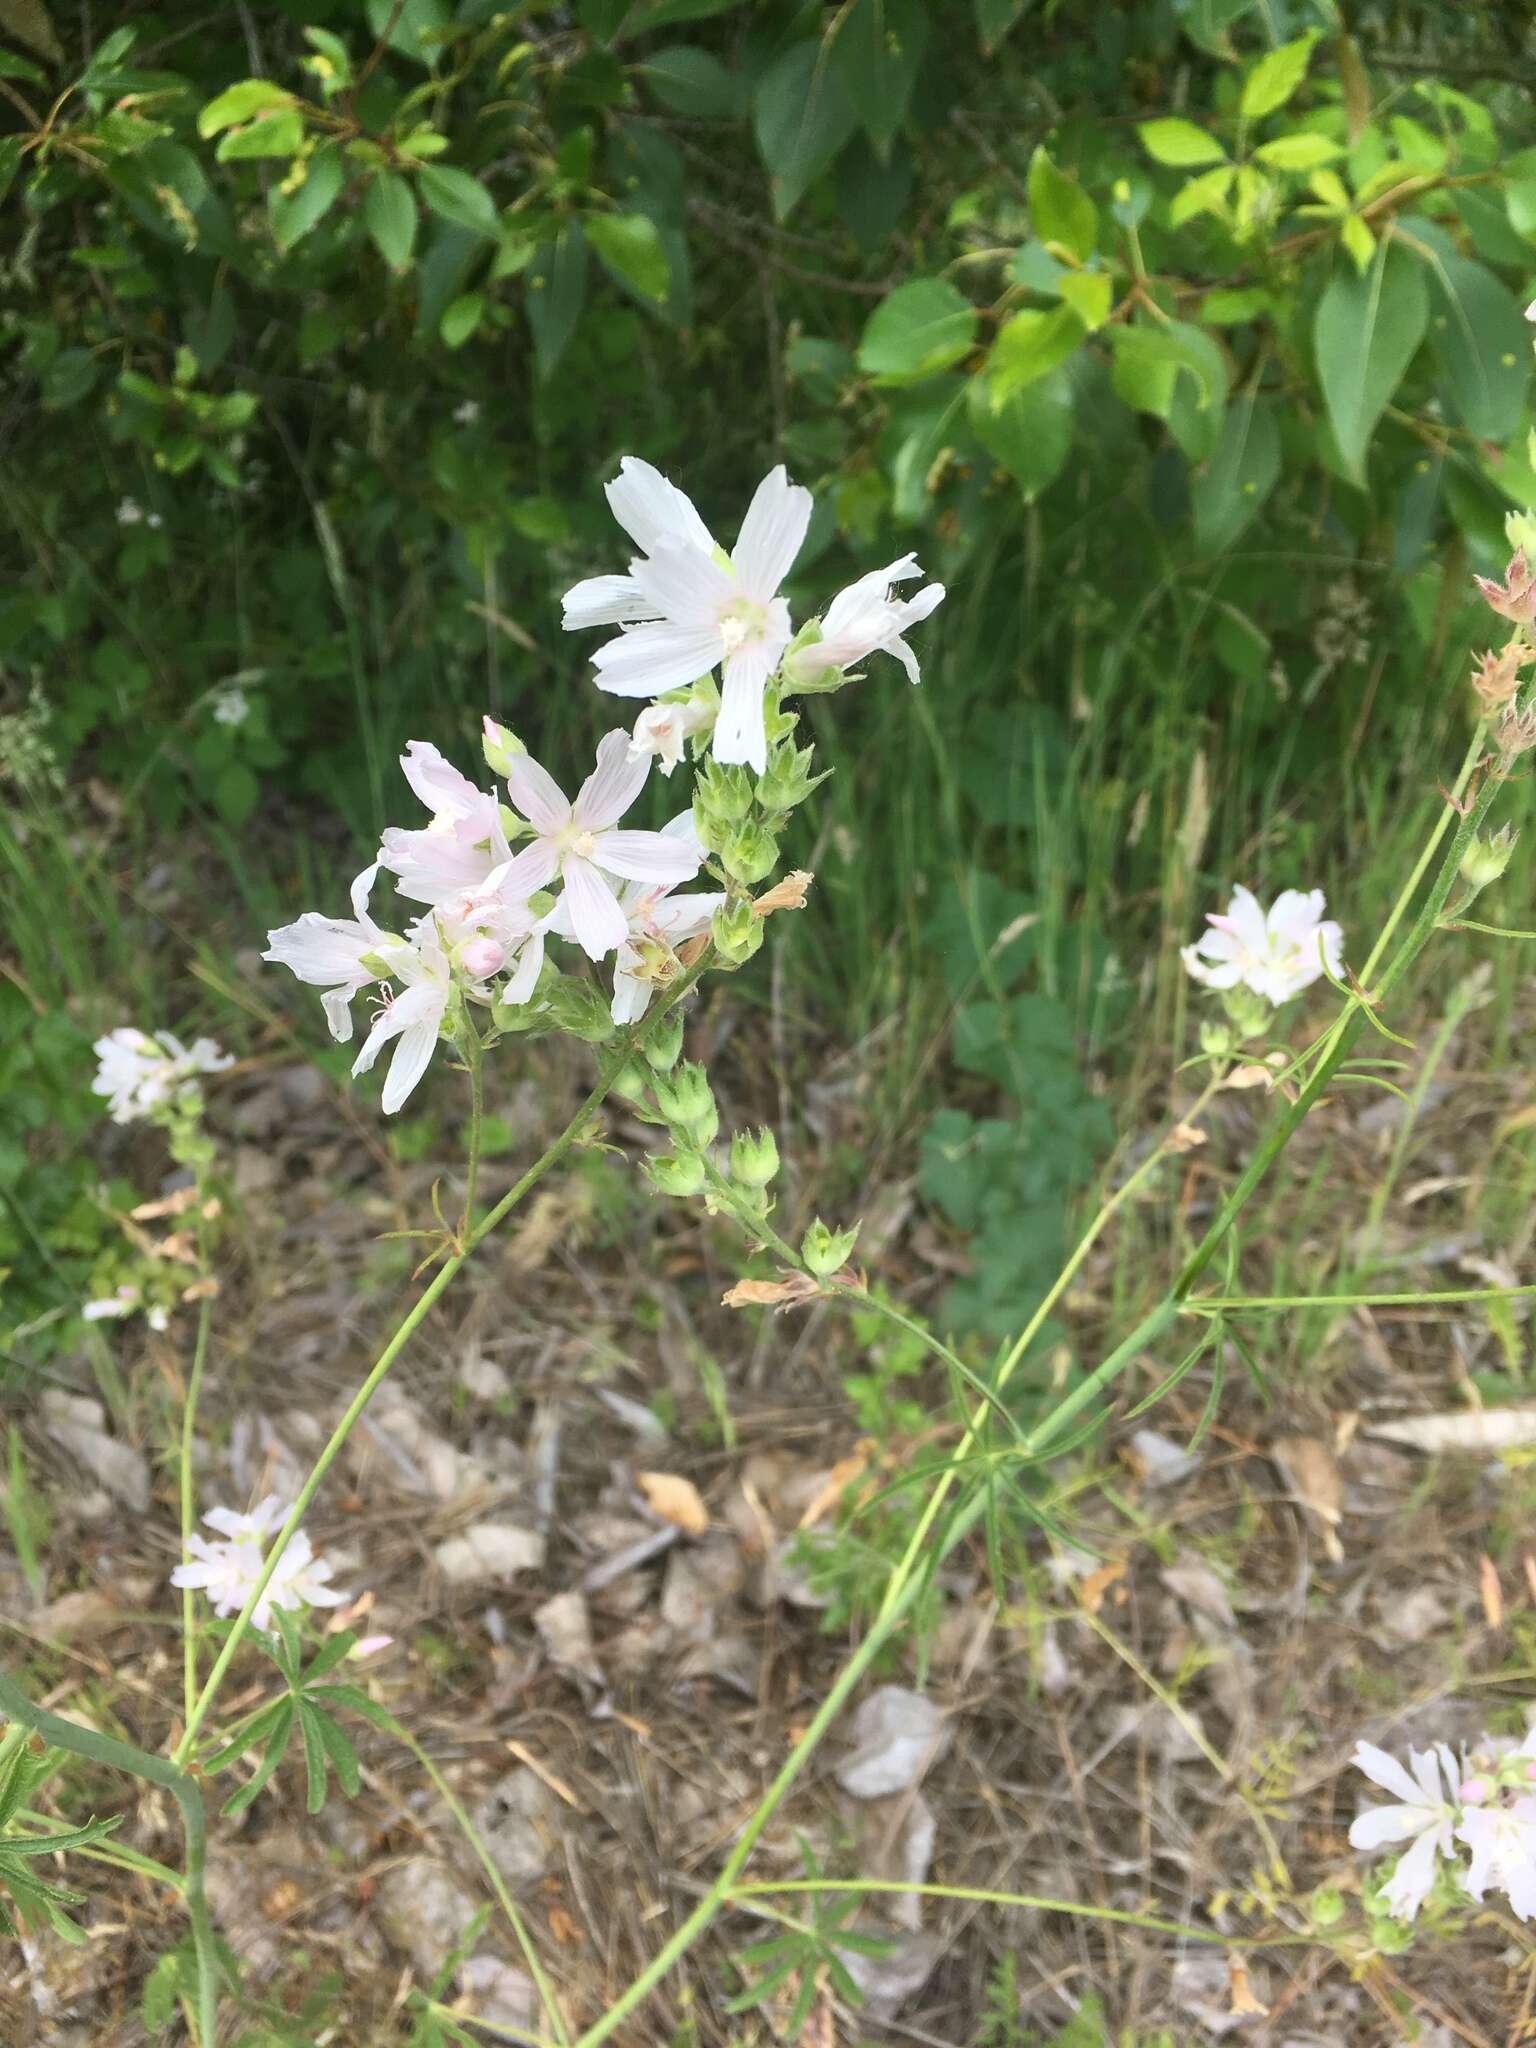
1211,1304
187,1487
493,1876
1421,866
142,1763
474,1059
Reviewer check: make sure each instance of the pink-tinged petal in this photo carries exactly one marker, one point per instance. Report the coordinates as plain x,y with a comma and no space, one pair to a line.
771,534
524,978
647,661
1479,1829
613,784
646,856
413,1055
1379,1825
413,1006
1409,1884
605,601
684,917
652,510
684,828
1425,1767
597,921
686,588
1246,919
429,867
739,731
362,889
536,795
436,781
323,952
516,879
1386,1771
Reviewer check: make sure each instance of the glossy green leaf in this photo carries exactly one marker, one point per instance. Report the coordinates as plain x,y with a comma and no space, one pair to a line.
692,81
242,102
1029,432
994,19
389,214
295,213
1060,209
460,318
1180,143
878,50
1298,152
1030,345
455,195
919,328
1205,194
1089,293
1276,76
554,292
1482,340
802,116
279,133
629,245
1240,475
1365,333
1149,360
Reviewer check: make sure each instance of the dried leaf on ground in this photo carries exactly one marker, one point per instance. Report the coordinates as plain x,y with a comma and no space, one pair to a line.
676,1500
896,1734
489,1551
1311,1471
1467,1429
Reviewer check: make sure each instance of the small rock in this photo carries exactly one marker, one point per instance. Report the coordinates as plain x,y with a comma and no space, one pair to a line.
1196,1584
489,1551
896,1734
565,1629
424,1911
887,1981
483,1379
503,1996
1164,1462
78,1425
516,1821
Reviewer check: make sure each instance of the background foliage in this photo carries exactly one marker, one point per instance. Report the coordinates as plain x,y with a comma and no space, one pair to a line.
1183,340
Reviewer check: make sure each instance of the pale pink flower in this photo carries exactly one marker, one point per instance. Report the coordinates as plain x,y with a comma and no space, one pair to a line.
1502,1840
140,1073
578,842
341,955
490,931
463,844
866,619
658,923
227,1570
686,609
1276,953
1424,1819
415,1017
664,729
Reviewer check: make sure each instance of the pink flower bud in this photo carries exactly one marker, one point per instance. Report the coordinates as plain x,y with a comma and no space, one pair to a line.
1474,1791
483,956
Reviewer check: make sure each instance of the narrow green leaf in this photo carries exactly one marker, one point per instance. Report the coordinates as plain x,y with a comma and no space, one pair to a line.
277,1745
338,1747
629,245
1060,209
802,116
1239,476
554,291
1366,331
314,1756
1276,76
295,213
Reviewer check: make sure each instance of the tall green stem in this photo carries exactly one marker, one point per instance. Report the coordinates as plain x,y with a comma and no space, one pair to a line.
142,1763
188,1489
474,1059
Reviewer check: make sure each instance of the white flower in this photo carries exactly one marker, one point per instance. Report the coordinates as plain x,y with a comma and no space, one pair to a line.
686,609
463,844
139,1073
331,952
1276,955
1425,1818
468,413
577,841
109,1307
231,706
131,513
227,1571
488,932
865,619
415,1017
1503,1844
659,922
663,730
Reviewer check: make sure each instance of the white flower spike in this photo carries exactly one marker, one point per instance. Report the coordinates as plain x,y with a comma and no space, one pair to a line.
461,847
686,611
1276,954
578,842
1424,1819
139,1074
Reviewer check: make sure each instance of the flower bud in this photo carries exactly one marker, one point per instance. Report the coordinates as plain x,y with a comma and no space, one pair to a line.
736,932
687,1102
1474,1791
1249,1013
1515,597
754,1158
806,677
1488,856
1520,532
1496,679
675,1173
723,792
824,1251
1516,733
500,745
580,1008
664,1042
787,780
482,956
1218,1040
750,854
631,1082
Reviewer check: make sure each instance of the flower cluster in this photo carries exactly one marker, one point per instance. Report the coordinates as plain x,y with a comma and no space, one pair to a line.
498,878
147,1076
1275,954
227,1570
1485,1805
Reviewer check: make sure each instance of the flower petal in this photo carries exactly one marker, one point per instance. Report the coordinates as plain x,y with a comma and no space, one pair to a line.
653,510
647,661
597,919
1410,1882
436,781
771,534
410,1008
1387,1772
646,856
1378,1825
684,587
739,730
605,601
413,1055
536,794
515,880
613,784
